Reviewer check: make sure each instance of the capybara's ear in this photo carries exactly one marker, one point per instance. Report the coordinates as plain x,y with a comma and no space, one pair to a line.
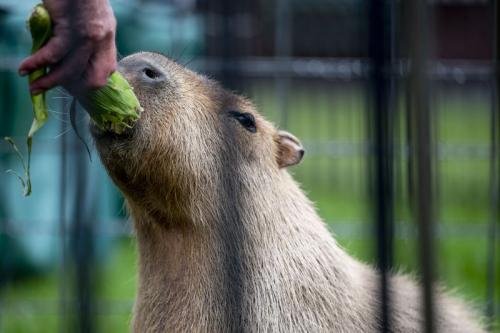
290,150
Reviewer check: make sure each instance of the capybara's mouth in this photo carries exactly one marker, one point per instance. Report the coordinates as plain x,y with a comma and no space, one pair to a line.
100,134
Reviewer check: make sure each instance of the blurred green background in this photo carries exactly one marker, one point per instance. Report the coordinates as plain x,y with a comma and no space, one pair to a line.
330,118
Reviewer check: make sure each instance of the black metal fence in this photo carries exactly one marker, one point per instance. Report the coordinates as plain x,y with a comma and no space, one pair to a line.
402,146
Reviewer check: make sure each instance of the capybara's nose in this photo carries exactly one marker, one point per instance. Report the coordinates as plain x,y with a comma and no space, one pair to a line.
141,71
126,68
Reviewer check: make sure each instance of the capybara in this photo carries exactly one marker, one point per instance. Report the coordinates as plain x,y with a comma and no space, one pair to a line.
227,240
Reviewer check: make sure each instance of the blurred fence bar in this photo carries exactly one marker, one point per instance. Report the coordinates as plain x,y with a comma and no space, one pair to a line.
344,229
82,250
382,134
226,43
77,204
283,49
340,69
63,234
492,243
421,147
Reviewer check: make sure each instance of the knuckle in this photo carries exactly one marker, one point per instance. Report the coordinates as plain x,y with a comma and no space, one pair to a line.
97,31
51,53
93,34
27,65
46,84
113,23
49,56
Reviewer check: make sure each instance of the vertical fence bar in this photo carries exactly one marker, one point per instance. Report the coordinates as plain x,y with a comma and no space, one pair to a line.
283,50
421,132
229,43
63,269
381,127
3,158
82,242
81,252
233,237
494,181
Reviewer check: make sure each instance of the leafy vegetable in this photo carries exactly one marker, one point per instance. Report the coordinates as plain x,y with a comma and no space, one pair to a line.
40,26
113,107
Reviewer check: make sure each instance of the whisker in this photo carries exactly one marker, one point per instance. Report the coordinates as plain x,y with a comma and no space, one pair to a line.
189,61
63,133
62,91
56,112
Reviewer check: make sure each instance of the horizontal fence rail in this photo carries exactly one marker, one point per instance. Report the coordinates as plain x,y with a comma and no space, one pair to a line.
351,229
458,71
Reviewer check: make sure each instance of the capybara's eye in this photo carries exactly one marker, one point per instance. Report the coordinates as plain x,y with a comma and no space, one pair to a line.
246,120
151,73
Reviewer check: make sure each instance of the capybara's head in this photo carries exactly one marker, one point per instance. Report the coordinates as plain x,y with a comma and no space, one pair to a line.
192,137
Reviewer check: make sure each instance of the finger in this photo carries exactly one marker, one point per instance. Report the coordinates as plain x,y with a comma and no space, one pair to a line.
48,55
102,64
67,73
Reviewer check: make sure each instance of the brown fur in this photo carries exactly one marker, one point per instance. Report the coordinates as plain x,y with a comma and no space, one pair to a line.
227,240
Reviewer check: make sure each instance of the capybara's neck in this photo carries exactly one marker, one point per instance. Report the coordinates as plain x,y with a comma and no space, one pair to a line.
263,246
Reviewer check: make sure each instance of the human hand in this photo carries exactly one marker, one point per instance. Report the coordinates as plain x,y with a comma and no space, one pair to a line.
82,52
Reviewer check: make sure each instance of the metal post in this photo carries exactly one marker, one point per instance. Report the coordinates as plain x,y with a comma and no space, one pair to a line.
283,50
232,234
4,127
229,43
82,242
63,269
382,134
421,132
494,181
8,93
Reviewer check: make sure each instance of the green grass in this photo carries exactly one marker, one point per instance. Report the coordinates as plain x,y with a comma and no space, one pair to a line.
338,185
114,292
